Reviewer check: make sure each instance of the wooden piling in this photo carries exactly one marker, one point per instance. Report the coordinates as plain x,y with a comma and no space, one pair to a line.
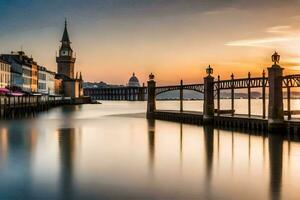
218,95
289,102
249,95
264,94
181,96
232,94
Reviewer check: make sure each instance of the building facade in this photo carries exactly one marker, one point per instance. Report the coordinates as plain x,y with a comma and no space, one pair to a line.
42,80
5,75
26,76
25,73
16,80
21,76
34,76
50,82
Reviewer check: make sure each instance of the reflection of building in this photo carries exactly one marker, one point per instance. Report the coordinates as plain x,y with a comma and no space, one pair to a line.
66,149
133,81
3,144
4,74
71,86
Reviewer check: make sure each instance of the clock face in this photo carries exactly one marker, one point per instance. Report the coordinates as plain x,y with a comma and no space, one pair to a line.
64,53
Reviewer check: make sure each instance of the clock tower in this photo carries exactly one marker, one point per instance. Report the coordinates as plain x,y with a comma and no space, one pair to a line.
65,60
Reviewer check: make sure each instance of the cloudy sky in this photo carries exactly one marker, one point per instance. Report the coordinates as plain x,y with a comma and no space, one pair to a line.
175,39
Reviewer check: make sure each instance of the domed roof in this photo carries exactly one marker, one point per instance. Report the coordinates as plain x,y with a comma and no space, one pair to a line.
133,81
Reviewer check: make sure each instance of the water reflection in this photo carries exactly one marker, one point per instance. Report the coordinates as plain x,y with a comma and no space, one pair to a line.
66,139
181,144
3,145
140,159
17,150
151,143
209,150
209,153
275,156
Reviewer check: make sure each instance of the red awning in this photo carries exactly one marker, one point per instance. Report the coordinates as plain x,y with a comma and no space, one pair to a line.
4,90
16,94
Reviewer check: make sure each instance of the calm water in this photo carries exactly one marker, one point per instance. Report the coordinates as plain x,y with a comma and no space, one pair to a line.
109,152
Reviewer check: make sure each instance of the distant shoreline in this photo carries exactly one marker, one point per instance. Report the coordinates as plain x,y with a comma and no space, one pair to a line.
215,99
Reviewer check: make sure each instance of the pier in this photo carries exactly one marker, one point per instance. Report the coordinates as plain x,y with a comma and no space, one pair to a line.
277,119
22,106
271,84
117,93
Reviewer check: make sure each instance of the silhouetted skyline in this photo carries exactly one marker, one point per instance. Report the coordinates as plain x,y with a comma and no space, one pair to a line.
175,39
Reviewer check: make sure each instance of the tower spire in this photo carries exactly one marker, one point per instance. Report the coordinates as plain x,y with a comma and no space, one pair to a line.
65,60
65,37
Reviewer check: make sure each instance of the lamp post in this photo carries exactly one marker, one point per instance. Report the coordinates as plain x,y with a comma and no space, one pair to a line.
208,105
151,106
276,114
209,70
275,58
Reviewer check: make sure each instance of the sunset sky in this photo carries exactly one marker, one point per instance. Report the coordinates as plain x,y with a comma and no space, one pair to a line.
174,39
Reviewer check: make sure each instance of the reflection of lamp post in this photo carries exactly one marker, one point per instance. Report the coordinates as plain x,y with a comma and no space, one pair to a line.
209,70
275,58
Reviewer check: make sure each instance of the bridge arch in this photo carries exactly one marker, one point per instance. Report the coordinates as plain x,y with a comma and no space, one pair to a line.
193,87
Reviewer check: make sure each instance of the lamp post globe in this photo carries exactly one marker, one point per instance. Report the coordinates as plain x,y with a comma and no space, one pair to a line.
275,58
209,70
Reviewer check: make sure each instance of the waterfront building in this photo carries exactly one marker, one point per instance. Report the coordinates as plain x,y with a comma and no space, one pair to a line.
46,82
25,73
34,76
21,75
16,80
26,77
133,81
42,80
58,86
71,86
50,82
4,74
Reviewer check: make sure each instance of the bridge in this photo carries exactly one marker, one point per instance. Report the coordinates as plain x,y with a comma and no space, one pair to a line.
117,93
273,83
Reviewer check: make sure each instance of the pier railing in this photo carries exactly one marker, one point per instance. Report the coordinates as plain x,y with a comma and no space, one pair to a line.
117,93
11,107
271,86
